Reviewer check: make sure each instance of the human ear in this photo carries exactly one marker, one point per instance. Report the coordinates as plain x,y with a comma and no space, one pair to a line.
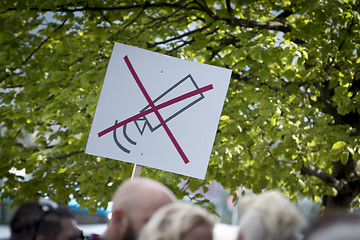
240,236
119,221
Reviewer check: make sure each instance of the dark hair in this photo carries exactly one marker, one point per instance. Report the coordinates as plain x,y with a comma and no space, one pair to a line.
330,218
38,217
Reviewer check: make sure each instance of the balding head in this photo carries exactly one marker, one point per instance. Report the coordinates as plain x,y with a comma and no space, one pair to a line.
133,192
137,200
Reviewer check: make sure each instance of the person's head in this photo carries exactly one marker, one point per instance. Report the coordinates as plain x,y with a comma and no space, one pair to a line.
134,202
334,224
269,216
44,219
179,221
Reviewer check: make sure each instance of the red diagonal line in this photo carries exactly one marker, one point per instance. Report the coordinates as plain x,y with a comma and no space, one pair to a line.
156,111
160,106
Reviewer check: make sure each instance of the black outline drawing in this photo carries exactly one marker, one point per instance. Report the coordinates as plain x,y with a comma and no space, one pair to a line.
147,123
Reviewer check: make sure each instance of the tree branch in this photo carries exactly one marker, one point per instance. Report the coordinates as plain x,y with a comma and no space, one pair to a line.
33,52
133,20
206,9
229,9
180,36
105,18
326,106
101,8
64,156
239,77
284,14
272,25
311,170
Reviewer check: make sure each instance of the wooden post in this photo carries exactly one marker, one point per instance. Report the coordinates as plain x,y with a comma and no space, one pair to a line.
136,171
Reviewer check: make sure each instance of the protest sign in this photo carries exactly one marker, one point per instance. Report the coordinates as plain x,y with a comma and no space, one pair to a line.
158,111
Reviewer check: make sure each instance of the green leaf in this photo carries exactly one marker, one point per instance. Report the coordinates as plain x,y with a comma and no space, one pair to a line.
338,145
104,171
293,97
344,157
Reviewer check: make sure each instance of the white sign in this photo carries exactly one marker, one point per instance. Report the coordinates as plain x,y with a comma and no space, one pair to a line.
158,111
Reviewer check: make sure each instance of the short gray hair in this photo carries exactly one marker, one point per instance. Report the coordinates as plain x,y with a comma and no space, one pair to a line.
269,216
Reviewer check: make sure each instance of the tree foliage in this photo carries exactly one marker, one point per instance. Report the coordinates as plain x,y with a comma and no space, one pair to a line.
290,120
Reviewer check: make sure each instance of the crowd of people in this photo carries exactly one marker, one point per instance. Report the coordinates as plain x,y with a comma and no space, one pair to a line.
145,209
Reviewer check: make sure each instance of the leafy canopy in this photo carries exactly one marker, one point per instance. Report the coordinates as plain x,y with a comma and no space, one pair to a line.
290,120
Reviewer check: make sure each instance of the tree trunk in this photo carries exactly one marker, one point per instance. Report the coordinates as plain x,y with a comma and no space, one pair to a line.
349,187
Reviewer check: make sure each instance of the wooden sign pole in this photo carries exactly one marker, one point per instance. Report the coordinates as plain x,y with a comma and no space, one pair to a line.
136,171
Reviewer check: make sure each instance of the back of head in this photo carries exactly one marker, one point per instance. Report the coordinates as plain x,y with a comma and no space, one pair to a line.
173,221
136,200
335,224
270,216
131,191
38,217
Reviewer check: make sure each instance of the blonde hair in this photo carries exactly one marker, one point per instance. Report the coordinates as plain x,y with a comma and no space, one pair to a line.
269,215
172,221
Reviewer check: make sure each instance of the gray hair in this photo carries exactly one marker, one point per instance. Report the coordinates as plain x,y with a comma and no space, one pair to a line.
269,216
